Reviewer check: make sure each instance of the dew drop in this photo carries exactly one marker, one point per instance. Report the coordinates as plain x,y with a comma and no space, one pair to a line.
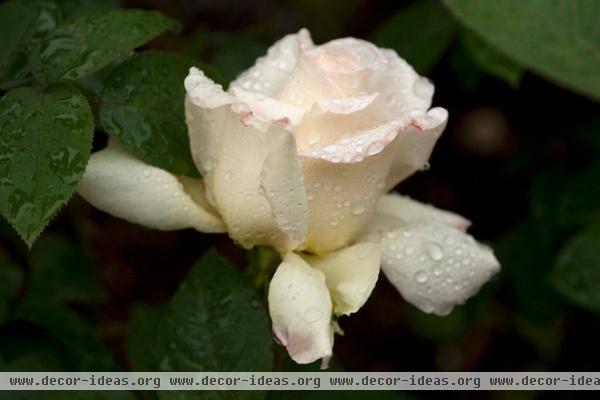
375,148
358,209
434,251
421,277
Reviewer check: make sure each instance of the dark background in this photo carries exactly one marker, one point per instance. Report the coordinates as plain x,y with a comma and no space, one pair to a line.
518,159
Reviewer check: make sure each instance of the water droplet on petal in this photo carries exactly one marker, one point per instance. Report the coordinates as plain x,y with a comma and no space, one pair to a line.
421,277
358,209
434,251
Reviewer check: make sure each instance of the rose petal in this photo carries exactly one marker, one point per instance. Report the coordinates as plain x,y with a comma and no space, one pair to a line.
413,148
350,275
300,309
409,210
269,73
345,179
248,172
128,188
435,266
328,120
282,183
402,91
265,109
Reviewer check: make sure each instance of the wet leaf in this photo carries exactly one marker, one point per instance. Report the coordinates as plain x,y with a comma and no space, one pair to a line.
576,274
420,33
92,41
145,322
20,22
143,109
45,141
214,323
560,41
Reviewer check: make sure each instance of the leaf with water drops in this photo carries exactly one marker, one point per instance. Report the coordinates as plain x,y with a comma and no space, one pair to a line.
20,22
576,274
560,40
143,109
420,33
92,41
214,323
45,142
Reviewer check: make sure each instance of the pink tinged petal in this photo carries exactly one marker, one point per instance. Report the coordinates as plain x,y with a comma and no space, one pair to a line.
300,309
265,109
270,73
128,188
412,148
355,147
350,275
435,266
412,211
402,91
251,174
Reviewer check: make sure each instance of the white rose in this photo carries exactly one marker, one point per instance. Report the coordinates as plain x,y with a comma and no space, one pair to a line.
298,154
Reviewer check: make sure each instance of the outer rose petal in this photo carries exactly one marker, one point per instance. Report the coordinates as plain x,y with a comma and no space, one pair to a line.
435,266
128,188
253,176
409,210
413,151
350,275
300,309
427,255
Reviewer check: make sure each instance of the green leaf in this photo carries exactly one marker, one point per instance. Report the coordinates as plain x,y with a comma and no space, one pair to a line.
45,141
143,108
76,8
83,349
558,40
20,21
576,274
92,41
214,323
142,337
492,61
61,272
420,33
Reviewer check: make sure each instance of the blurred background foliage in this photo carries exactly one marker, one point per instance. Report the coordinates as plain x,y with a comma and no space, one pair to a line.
521,81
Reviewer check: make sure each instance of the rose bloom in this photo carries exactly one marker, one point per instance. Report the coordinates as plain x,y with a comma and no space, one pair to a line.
298,154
